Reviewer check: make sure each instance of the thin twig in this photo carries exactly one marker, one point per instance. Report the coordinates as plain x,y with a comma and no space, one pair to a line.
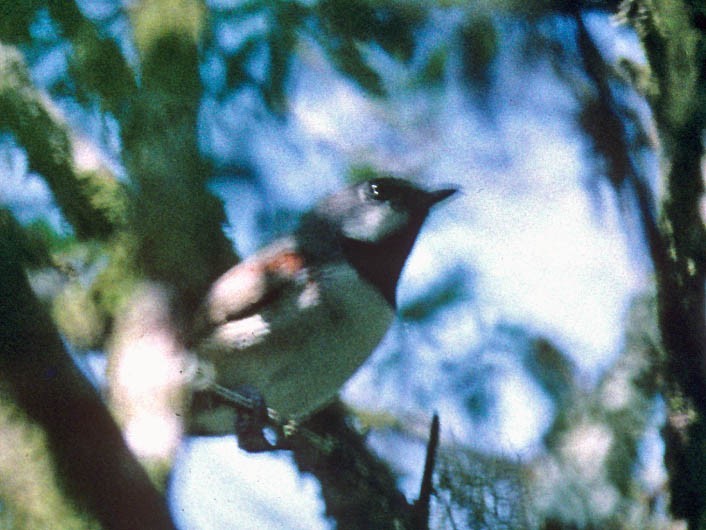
420,518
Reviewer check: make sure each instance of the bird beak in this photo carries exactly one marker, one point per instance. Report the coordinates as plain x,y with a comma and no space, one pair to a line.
434,197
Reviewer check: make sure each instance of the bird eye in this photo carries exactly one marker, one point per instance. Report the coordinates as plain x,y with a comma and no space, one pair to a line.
378,191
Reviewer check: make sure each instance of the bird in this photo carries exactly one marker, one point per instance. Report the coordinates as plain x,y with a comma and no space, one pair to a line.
290,325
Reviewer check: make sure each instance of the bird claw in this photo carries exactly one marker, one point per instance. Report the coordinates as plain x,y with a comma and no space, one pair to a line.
251,422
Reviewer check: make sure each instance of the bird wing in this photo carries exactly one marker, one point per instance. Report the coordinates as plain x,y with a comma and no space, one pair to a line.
245,288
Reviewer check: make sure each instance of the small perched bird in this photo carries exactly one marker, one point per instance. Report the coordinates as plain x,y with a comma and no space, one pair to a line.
295,320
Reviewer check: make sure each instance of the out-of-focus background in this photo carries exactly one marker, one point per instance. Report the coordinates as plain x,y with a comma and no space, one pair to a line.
551,314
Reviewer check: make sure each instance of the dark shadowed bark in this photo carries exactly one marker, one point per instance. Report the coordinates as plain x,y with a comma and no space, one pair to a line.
95,471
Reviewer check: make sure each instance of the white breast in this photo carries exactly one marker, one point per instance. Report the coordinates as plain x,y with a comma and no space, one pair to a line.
300,350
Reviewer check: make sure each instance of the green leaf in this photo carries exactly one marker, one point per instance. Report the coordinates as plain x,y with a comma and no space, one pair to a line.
480,49
282,42
358,20
348,59
453,287
435,66
237,73
15,20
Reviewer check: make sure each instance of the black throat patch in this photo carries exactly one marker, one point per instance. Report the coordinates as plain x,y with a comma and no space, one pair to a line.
380,263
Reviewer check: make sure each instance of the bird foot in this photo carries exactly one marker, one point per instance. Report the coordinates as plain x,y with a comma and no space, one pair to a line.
251,423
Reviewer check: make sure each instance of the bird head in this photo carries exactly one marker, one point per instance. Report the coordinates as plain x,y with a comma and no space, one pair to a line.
377,210
373,224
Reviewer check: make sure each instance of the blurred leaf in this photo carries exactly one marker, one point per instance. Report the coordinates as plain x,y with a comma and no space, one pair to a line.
435,66
359,20
473,380
281,42
480,47
480,400
600,117
115,283
347,57
33,243
342,28
605,130
42,240
248,7
452,287
284,20
362,172
78,318
15,20
99,67
96,64
237,73
350,24
552,369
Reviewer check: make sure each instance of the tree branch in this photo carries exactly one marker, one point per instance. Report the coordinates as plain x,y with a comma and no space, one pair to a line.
92,200
359,489
89,459
675,45
175,228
